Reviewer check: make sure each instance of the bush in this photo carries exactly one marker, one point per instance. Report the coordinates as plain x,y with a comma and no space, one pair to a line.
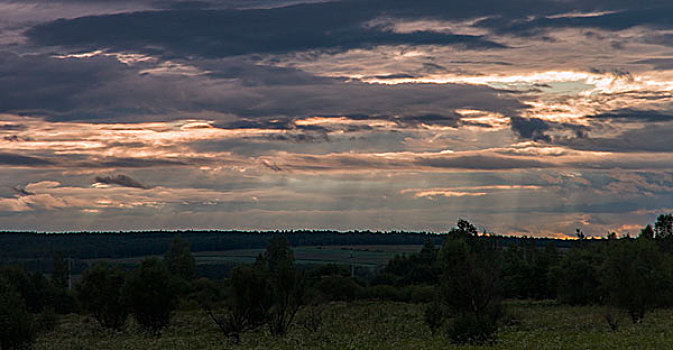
434,316
34,289
468,289
16,324
383,292
635,276
268,292
46,320
99,293
468,328
246,307
286,285
577,277
179,259
150,295
339,287
421,294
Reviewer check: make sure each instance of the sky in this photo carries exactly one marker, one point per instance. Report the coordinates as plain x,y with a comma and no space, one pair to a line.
525,117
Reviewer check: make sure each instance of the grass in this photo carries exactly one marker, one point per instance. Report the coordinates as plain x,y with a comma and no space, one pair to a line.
381,325
359,255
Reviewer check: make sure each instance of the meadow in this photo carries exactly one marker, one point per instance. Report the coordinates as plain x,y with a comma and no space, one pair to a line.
379,325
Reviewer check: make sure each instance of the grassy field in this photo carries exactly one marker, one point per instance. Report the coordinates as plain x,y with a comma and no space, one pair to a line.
381,325
358,255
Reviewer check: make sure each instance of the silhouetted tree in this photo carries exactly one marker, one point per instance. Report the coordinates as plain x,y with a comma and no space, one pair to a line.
247,305
417,268
577,277
16,325
179,259
464,228
268,292
60,273
20,280
635,277
663,228
647,232
99,293
150,295
60,296
468,287
285,283
525,270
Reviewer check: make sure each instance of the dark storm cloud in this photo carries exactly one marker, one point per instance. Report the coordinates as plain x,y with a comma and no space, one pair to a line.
121,180
452,120
12,127
38,82
101,88
651,138
539,130
20,160
632,115
300,137
658,14
191,29
221,33
657,63
21,191
83,161
273,167
136,163
482,162
530,128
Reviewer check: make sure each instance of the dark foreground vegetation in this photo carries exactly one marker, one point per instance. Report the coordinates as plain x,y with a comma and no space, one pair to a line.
459,288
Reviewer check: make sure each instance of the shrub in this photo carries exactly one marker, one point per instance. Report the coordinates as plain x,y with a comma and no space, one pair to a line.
383,292
468,328
421,294
339,287
150,295
246,307
434,316
286,285
179,259
99,293
16,326
468,287
635,276
268,292
577,277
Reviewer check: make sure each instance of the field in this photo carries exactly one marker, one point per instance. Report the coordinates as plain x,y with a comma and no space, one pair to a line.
367,256
381,325
359,255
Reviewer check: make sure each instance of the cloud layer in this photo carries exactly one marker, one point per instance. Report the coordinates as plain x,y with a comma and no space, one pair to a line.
526,117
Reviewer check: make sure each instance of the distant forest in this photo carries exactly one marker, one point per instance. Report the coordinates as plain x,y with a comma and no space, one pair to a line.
90,245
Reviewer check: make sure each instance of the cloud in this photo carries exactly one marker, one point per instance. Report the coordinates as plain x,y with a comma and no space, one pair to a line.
97,88
223,33
632,115
649,138
20,160
121,180
530,128
482,162
653,13
21,191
